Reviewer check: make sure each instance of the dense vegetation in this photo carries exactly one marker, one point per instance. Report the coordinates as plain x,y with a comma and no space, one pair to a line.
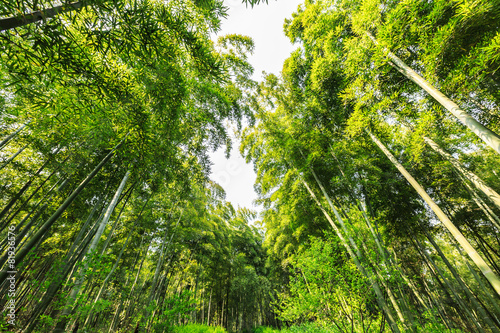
375,152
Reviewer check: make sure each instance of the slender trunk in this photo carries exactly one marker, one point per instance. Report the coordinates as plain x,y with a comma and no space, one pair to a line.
159,267
209,305
10,137
492,217
22,20
108,239
132,289
60,327
20,236
164,249
121,252
473,254
353,244
23,189
383,251
10,159
380,298
108,213
462,284
483,287
478,182
109,275
439,306
10,218
57,283
116,315
488,136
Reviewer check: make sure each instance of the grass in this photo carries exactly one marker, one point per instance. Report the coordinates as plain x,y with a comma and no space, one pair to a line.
198,328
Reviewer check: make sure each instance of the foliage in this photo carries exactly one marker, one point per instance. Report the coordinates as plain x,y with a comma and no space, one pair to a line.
113,88
197,328
178,306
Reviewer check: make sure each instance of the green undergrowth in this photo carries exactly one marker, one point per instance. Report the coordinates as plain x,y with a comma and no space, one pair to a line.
304,328
316,328
198,328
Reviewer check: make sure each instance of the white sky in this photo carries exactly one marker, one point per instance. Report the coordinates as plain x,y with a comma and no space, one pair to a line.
264,24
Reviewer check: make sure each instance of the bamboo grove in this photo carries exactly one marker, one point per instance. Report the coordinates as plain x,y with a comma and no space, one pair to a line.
108,112
376,156
375,150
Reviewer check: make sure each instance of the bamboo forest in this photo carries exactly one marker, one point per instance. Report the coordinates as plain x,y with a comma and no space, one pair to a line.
375,151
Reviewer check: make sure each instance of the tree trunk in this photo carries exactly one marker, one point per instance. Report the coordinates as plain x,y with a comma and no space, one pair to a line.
108,239
490,294
437,271
461,283
11,217
10,159
10,137
60,327
22,20
70,262
23,189
109,275
481,204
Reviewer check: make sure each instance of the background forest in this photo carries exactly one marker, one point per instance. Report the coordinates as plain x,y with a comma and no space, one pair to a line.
375,150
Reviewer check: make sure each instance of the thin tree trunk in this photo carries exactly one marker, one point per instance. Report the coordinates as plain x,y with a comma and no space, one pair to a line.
109,275
10,159
54,287
108,239
18,195
437,271
22,20
20,236
10,137
60,327
353,244
494,219
461,283
488,136
478,182
373,283
11,217
473,254
209,305
486,289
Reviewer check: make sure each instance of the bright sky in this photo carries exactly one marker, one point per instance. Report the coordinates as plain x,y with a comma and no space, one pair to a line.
264,24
